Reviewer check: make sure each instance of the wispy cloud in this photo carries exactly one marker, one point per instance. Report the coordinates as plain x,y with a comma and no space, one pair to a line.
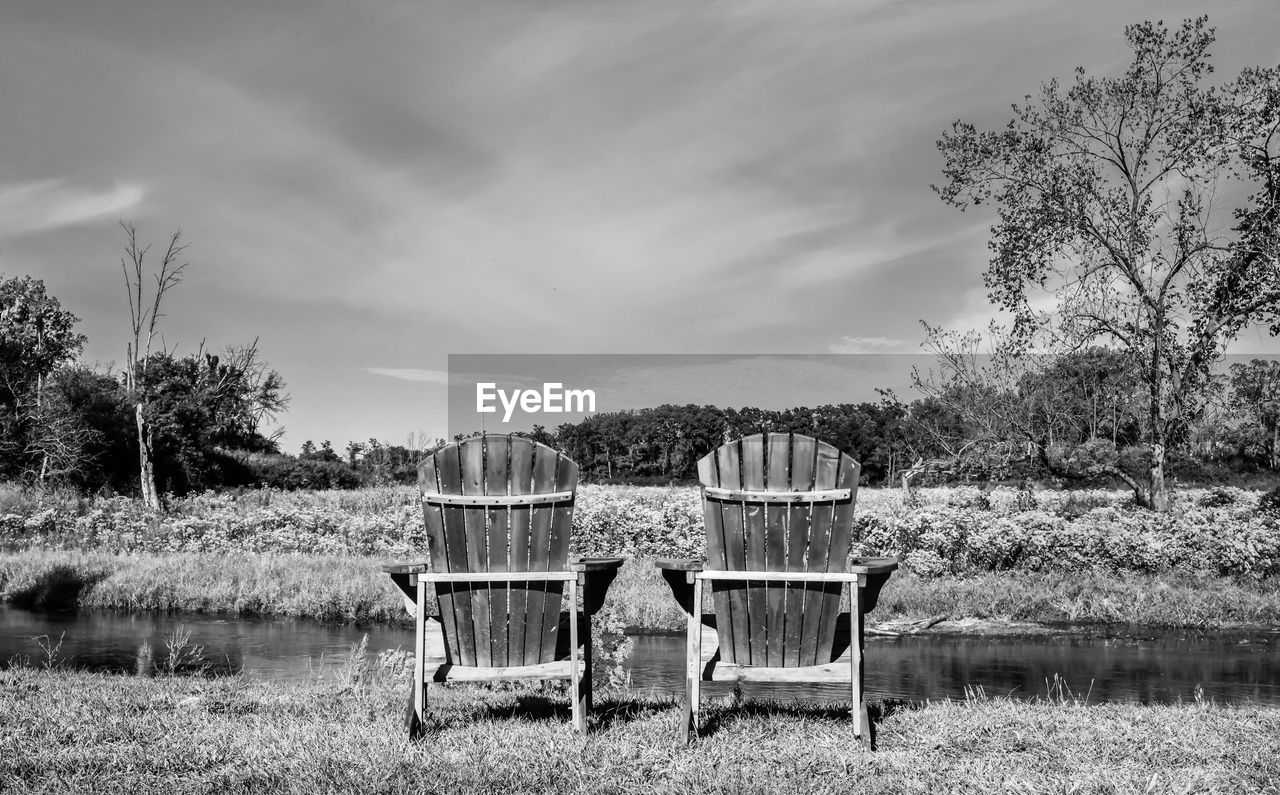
42,205
408,374
869,345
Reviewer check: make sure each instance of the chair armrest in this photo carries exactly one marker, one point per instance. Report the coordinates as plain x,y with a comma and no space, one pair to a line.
597,575
593,565
874,565
405,568
680,564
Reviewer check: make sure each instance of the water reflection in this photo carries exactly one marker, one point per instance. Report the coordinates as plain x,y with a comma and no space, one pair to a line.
1150,668
1144,667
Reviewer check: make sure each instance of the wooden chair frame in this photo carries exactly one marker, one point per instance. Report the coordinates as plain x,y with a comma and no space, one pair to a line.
497,512
778,513
702,656
588,577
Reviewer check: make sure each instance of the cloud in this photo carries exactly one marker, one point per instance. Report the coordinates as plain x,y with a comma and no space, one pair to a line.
42,205
408,374
868,345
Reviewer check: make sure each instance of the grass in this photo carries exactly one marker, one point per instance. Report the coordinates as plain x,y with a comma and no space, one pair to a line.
70,731
352,588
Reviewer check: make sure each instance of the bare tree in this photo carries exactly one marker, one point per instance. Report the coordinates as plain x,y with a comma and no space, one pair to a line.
144,313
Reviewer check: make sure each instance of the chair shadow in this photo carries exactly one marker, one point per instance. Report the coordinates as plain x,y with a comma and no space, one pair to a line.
713,720
606,711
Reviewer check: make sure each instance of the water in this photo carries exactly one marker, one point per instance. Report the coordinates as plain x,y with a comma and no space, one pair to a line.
1134,666
1129,665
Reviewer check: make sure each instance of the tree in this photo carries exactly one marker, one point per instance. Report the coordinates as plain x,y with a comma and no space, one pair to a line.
1255,393
203,407
144,313
1111,195
36,336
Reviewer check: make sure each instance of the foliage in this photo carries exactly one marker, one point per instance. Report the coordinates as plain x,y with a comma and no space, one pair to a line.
1107,193
950,531
663,444
39,438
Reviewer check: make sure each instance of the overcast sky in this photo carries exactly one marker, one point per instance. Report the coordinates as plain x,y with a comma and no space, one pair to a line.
368,187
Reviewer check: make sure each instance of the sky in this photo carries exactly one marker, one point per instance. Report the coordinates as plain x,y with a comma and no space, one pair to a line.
369,187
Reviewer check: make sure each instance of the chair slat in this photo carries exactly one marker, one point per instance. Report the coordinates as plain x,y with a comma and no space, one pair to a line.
471,453
753,478
541,620
737,621
449,473
820,603
558,552
802,454
497,483
846,473
712,521
438,554
518,550
778,465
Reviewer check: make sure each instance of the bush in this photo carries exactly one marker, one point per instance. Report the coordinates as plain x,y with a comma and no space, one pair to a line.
1217,531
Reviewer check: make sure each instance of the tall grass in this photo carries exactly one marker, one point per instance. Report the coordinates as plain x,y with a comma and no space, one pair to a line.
69,731
351,588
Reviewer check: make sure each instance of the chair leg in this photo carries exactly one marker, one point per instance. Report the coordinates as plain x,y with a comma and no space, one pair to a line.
575,668
587,655
418,697
858,701
693,667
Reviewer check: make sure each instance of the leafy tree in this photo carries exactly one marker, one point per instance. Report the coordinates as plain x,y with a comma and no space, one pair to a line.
1255,393
202,407
1111,193
37,436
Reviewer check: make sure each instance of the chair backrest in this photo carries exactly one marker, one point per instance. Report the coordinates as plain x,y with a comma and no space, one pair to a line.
777,502
502,504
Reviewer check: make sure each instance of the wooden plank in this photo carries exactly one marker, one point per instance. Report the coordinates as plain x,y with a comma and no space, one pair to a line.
830,672
734,624
781,576
419,708
449,470
820,604
778,470
497,500
711,647
693,666
497,481
842,519
494,577
803,449
521,483
838,549
543,606
559,669
437,550
714,526
739,495
577,702
566,479
471,454
753,478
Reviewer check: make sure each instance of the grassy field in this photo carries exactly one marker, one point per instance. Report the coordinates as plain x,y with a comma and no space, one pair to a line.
352,588
78,732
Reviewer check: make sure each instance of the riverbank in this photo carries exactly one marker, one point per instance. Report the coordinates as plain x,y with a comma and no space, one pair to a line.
349,588
70,731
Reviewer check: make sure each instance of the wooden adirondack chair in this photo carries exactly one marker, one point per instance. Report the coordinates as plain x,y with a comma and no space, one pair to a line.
497,512
778,512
